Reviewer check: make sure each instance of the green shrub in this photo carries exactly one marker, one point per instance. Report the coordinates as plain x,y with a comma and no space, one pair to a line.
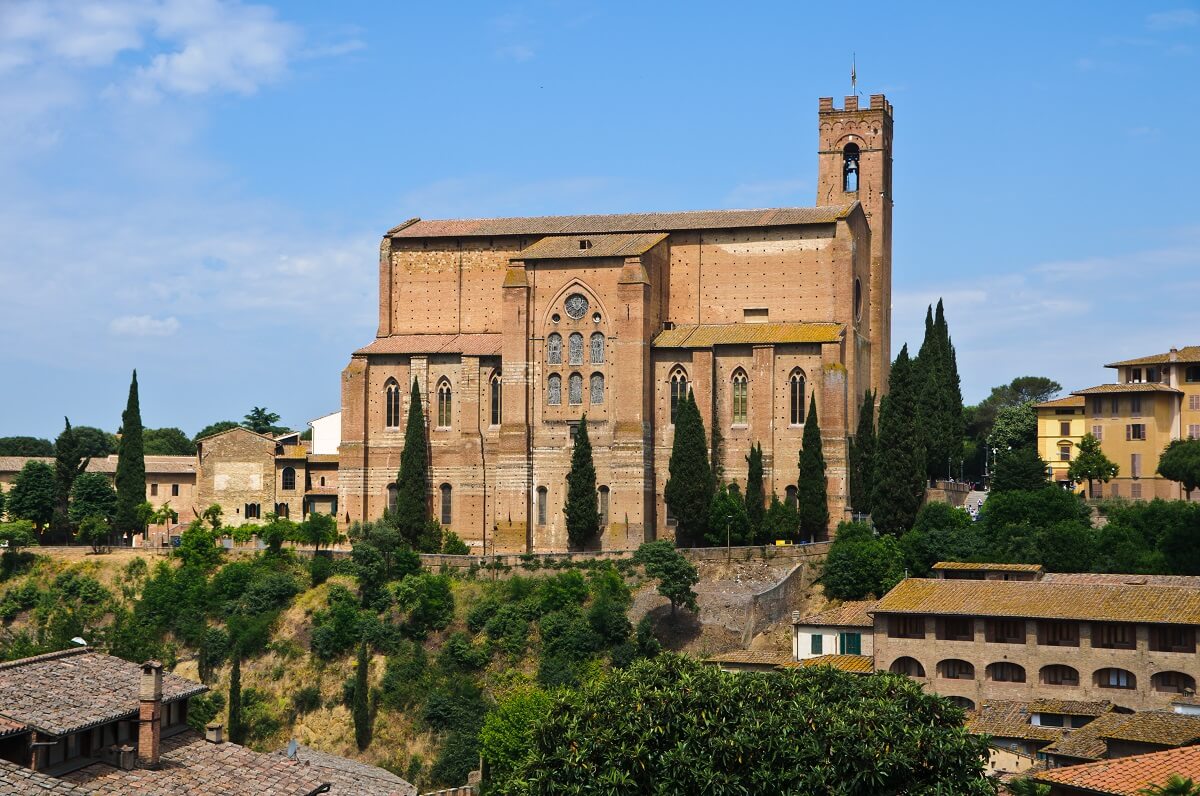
459,654
319,569
562,590
427,601
203,708
454,546
337,628
509,628
406,678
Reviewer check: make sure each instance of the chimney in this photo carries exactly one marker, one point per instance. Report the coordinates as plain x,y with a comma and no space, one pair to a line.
1174,356
214,732
149,715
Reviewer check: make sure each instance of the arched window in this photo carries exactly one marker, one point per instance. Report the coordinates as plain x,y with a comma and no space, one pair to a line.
554,390
282,510
602,495
391,400
1058,674
1115,678
850,155
554,349
541,505
961,702
597,388
679,390
447,502
1173,683
789,495
1006,672
393,496
497,398
288,478
741,403
575,349
443,408
796,397
954,669
910,667
597,348
575,389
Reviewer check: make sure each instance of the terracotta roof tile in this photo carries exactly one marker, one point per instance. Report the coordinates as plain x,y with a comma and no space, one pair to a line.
351,776
1002,718
17,780
622,222
856,664
963,565
848,614
1182,581
1126,776
624,244
1070,400
708,335
74,689
752,657
1071,707
479,344
1105,389
1042,600
1158,727
1189,353
1086,742
108,464
9,727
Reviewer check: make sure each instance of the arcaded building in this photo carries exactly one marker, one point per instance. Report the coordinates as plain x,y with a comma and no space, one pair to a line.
515,328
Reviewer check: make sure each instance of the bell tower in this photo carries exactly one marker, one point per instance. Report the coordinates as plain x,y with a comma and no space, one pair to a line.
854,151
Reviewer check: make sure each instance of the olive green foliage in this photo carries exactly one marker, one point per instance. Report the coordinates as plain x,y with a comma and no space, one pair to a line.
685,727
92,496
941,532
980,419
690,487
427,601
18,534
861,564
675,574
60,607
70,461
812,489
1091,465
727,515
360,709
26,446
318,530
1027,787
756,496
33,494
1159,536
131,466
167,442
456,710
1019,469
452,545
95,531
582,510
198,547
1015,428
781,522
862,456
3,501
898,486
1180,461
203,708
263,420
412,499
1176,785
215,428
1048,526
506,739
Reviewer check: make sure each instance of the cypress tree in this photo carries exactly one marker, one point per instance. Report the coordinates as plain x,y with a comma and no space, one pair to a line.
756,496
862,456
69,463
412,498
714,463
689,488
582,509
899,482
939,397
131,465
237,729
811,489
361,711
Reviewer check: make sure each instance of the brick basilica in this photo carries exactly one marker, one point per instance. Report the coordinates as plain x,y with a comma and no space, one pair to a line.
514,328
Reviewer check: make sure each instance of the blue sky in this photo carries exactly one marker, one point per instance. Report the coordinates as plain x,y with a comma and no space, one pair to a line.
197,189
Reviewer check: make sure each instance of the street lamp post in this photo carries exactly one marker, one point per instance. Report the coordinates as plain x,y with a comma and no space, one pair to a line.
728,549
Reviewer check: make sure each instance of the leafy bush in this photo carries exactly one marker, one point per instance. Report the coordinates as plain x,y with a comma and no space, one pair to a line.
509,628
319,569
337,628
454,546
427,601
406,678
203,708
860,563
459,654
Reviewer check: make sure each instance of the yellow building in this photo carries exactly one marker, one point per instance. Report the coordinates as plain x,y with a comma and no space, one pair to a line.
1155,400
1061,425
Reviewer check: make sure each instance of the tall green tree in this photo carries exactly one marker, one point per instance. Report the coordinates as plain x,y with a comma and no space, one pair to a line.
1019,469
756,496
95,442
92,496
582,509
812,494
361,709
131,466
263,420
1180,461
70,461
215,428
412,499
689,488
899,482
727,518
167,442
939,401
237,726
675,574
862,456
3,501
1015,427
714,463
26,446
34,494
1091,464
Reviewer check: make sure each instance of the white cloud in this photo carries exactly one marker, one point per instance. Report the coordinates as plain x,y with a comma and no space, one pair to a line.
144,326
1173,20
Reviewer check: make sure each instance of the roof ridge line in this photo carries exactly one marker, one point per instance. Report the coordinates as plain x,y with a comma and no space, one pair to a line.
45,656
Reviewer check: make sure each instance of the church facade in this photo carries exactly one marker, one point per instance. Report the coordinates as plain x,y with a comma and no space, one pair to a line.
515,328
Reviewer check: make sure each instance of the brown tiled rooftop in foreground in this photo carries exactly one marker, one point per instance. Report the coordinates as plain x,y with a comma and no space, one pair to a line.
1105,389
854,613
1189,353
1125,776
855,664
1156,727
963,565
751,657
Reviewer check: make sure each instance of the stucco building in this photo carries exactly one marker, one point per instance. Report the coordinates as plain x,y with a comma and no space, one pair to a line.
514,328
1061,424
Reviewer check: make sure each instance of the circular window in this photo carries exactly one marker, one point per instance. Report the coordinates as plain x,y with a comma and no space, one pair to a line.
577,305
555,318
595,317
857,300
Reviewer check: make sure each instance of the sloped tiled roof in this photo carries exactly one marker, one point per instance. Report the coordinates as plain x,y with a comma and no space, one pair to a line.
1182,581
855,664
1042,600
848,614
963,565
1105,389
108,464
1071,707
1008,719
1070,400
621,222
620,244
751,657
480,344
350,776
1087,742
706,335
17,780
1161,727
1189,353
1126,776
68,691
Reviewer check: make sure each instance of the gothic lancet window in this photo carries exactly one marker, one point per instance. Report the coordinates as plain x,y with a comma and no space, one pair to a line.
597,388
679,390
554,390
444,404
597,346
391,400
741,403
497,399
447,503
575,349
575,389
796,397
554,349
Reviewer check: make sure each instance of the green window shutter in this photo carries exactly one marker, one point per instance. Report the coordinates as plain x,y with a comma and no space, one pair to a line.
850,643
816,644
